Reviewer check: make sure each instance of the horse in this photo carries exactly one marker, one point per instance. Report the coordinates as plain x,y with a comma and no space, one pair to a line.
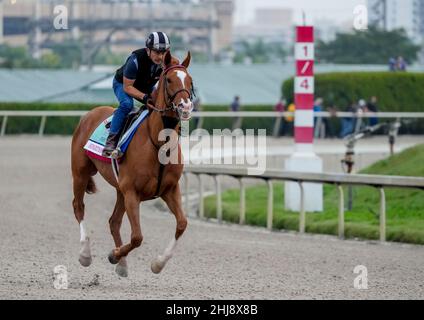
141,176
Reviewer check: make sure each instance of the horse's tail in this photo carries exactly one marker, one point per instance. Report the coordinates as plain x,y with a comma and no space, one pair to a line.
91,186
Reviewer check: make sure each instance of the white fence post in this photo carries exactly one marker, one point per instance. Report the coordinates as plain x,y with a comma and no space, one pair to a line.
218,199
270,206
3,126
382,215
201,202
242,202
277,126
341,211
42,126
302,218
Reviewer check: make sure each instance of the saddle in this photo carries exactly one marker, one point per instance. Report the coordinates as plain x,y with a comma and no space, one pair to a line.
95,145
129,120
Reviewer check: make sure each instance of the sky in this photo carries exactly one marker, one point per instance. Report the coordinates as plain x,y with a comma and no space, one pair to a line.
338,11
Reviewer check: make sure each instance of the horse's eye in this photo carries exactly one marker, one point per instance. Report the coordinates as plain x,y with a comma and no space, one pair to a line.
168,80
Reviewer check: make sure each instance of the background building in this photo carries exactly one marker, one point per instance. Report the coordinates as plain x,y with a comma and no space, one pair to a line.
394,14
203,25
269,25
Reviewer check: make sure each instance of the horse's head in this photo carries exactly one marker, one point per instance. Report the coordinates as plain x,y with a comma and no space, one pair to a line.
174,94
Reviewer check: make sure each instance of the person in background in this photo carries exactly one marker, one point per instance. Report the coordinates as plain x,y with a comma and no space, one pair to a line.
401,64
392,64
196,108
359,122
329,122
318,121
348,122
362,105
373,107
289,126
280,107
235,107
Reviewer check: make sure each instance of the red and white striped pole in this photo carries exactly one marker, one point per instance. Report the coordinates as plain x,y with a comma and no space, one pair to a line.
304,89
304,159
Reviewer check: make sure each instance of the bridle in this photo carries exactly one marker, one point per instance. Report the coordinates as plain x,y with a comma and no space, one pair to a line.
169,99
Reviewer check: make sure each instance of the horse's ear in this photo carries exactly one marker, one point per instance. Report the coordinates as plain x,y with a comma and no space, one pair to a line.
168,58
187,60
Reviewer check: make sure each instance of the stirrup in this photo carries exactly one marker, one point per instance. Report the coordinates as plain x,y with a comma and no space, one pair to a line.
107,153
116,154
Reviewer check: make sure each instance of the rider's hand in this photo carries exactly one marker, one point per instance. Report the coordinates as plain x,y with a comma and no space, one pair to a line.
145,99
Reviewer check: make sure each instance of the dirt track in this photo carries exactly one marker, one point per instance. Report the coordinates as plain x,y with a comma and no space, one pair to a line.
38,231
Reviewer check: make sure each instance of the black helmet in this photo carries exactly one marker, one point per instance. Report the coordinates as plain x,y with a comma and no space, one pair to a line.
158,41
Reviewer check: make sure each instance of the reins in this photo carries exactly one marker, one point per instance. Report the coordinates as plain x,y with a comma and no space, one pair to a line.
170,105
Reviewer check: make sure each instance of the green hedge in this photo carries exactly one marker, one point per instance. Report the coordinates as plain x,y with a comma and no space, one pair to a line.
66,125
395,91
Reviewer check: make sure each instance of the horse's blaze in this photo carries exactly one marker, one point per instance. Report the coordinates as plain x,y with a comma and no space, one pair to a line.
185,109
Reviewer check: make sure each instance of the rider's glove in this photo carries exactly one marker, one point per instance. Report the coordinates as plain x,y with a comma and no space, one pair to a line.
145,99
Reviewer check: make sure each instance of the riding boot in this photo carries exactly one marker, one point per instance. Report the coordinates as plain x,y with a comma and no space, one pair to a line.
111,143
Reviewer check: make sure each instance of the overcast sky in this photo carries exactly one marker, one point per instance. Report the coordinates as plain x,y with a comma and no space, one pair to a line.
337,10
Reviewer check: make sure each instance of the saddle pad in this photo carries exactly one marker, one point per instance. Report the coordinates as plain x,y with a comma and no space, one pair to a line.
95,145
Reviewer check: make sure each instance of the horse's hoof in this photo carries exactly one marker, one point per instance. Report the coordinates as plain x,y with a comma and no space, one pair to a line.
157,266
121,270
112,258
85,253
85,261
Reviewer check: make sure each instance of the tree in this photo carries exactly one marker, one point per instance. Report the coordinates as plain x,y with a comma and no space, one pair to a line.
15,57
69,51
107,57
19,57
260,52
50,60
373,46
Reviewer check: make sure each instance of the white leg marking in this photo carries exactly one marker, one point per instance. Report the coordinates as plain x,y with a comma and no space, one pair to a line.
85,252
169,251
159,263
83,232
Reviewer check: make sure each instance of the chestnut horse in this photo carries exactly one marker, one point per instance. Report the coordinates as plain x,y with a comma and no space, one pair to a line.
141,175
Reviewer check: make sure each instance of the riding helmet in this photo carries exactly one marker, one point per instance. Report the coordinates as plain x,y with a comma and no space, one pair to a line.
158,41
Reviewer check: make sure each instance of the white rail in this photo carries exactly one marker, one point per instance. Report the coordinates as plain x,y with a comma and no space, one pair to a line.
5,114
379,182
38,113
